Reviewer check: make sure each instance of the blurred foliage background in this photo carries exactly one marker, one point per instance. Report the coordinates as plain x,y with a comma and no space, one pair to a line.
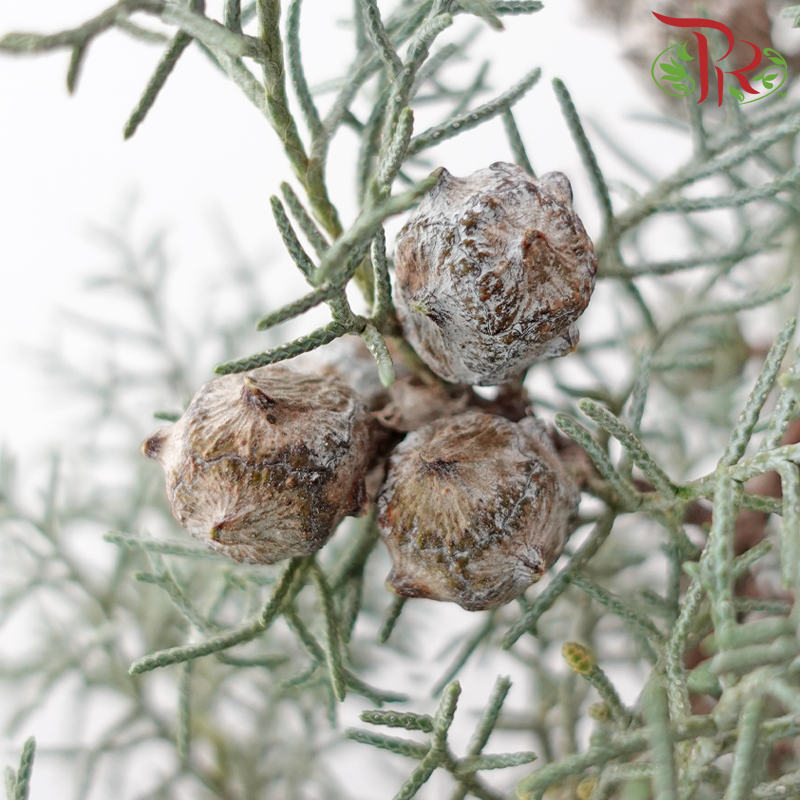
659,658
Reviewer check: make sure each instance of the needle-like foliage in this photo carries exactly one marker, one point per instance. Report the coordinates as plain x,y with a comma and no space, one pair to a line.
673,608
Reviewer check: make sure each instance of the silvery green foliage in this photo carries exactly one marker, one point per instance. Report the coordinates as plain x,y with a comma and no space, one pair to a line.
683,574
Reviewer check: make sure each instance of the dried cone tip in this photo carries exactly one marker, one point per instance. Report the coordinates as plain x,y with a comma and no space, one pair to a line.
265,464
474,509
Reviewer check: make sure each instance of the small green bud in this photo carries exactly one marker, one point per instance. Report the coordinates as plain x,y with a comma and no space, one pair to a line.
600,712
579,658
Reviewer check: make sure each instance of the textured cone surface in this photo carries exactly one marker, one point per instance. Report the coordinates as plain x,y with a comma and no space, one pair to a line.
493,270
474,509
265,464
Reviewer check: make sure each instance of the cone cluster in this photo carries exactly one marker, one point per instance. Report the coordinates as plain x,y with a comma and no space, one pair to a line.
492,273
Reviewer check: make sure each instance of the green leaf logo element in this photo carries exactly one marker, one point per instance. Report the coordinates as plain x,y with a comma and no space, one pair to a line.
737,93
775,57
683,53
672,79
772,83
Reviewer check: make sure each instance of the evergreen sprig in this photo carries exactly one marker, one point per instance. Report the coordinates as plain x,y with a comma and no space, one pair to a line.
721,691
437,754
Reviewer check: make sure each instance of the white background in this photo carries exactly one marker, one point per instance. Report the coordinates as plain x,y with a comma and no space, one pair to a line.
205,160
